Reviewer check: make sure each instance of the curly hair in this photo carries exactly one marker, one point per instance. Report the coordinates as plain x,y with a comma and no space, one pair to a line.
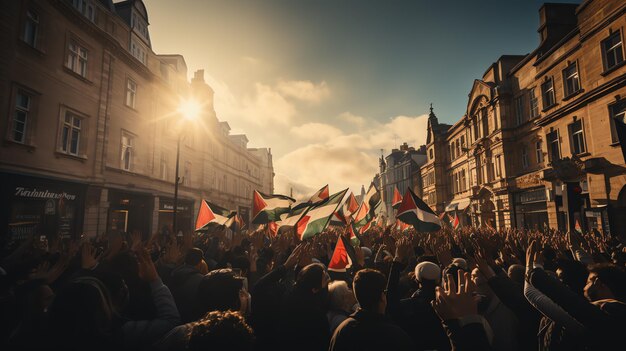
221,330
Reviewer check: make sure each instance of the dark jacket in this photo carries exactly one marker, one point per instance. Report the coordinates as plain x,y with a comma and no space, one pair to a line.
604,320
416,316
184,284
304,325
267,297
366,330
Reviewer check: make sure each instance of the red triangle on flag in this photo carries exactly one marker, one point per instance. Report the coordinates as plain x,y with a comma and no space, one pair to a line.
301,225
397,198
324,194
272,228
340,260
205,215
408,204
258,204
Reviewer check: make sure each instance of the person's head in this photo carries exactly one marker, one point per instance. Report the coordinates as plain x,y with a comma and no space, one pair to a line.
221,330
573,274
313,278
81,311
33,297
427,274
606,281
481,283
242,263
341,297
219,291
460,262
195,258
517,273
369,288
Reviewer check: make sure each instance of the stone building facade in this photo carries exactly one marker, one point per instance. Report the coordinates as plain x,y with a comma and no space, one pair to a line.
400,169
91,126
537,146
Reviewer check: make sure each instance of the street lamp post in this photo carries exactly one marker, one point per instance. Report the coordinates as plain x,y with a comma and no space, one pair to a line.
189,109
176,182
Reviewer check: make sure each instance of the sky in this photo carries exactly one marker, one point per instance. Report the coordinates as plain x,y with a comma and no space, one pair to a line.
327,84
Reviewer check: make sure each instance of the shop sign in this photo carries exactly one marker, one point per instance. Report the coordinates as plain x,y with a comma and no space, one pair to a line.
42,194
170,207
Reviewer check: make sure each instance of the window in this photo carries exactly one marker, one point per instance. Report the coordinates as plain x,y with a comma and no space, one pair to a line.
70,134
533,103
498,166
137,51
524,157
164,169
85,7
571,82
617,111
127,151
77,59
20,117
462,142
547,93
612,51
458,148
31,28
539,151
475,127
553,145
485,122
519,109
431,153
187,175
131,92
463,181
577,137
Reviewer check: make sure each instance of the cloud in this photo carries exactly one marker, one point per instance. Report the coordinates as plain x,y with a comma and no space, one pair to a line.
352,119
316,131
304,90
347,160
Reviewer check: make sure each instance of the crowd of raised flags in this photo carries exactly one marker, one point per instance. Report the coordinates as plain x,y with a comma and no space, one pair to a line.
282,214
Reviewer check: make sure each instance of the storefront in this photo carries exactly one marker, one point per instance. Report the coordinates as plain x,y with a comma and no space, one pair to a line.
531,209
37,207
129,212
184,219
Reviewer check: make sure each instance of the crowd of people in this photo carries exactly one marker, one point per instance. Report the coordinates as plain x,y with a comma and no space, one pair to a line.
467,289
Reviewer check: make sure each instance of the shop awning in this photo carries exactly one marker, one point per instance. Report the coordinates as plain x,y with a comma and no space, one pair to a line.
458,205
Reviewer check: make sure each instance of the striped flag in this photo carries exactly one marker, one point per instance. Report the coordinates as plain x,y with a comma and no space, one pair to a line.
454,222
416,212
401,226
320,195
397,198
367,211
317,217
212,215
235,223
268,208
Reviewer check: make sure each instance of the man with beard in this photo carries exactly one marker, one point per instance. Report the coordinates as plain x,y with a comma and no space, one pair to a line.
368,329
304,325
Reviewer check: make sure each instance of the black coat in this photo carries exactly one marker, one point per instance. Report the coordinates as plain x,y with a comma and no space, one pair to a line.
184,284
366,330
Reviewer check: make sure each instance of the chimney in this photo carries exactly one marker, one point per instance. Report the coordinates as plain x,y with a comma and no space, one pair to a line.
555,22
198,76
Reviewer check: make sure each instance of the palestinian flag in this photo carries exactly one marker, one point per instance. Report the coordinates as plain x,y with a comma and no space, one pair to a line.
414,211
211,215
235,223
350,206
272,229
401,226
620,128
341,259
397,198
290,219
320,195
455,222
367,211
317,217
354,235
577,226
268,208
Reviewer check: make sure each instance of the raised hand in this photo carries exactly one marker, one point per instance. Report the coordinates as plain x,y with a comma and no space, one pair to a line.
452,302
88,256
172,253
147,271
403,250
